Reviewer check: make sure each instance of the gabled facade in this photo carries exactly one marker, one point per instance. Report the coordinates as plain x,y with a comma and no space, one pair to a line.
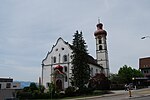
57,67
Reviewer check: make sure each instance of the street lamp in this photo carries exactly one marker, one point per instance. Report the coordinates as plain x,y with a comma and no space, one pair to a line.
145,37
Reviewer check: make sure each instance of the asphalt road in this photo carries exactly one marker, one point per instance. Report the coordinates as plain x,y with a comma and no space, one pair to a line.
141,98
141,94
121,97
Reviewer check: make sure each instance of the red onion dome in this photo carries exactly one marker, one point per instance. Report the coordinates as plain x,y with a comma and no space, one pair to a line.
100,30
58,67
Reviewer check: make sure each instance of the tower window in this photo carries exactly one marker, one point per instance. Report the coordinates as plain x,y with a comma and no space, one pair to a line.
100,47
100,41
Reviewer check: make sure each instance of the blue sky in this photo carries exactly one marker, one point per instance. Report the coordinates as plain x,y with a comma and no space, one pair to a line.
29,29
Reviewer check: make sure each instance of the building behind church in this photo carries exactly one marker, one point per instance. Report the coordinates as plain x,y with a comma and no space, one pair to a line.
57,66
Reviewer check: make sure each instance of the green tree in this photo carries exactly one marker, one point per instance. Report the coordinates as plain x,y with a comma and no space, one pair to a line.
126,73
80,68
137,73
114,78
41,88
33,87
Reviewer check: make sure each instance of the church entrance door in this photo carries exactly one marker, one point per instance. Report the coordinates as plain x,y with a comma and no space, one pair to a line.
59,84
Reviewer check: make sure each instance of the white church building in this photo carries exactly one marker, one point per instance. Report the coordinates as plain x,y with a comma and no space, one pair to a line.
57,66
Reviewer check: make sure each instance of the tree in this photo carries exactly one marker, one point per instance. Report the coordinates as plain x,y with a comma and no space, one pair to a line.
126,73
100,82
137,73
41,88
33,87
80,68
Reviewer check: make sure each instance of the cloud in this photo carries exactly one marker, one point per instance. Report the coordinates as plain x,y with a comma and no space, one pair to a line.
29,28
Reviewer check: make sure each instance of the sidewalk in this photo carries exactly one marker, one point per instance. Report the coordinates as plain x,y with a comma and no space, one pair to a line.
134,94
140,93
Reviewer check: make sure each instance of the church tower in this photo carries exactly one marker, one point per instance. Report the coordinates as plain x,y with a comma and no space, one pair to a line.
101,48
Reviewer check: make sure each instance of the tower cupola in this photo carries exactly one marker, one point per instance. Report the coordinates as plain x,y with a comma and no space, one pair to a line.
100,30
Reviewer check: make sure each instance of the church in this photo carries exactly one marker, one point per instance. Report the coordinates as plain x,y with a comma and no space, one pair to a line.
57,66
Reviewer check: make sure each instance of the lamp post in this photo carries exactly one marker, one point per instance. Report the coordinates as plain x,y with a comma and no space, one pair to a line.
144,37
134,82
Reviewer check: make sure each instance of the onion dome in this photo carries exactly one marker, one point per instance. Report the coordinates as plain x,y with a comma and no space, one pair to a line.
58,67
100,30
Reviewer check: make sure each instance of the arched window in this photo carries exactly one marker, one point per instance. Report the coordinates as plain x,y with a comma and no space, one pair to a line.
65,68
100,41
100,47
54,59
65,58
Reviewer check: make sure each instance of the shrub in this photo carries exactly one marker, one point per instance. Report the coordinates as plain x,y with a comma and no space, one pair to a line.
70,91
100,82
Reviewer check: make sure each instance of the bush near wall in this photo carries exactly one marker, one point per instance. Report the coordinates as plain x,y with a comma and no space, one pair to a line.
117,87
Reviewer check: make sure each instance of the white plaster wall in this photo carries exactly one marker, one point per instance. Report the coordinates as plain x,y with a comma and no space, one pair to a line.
46,75
94,69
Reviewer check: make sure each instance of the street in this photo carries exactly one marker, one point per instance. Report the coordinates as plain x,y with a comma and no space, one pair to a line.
141,94
122,97
142,98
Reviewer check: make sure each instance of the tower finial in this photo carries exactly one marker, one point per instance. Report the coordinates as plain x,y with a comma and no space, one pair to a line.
98,20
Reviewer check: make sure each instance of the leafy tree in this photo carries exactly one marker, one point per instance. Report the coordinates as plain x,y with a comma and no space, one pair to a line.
33,87
80,68
137,73
41,88
126,73
114,78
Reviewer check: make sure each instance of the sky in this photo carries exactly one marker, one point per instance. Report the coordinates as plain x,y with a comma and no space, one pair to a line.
29,29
